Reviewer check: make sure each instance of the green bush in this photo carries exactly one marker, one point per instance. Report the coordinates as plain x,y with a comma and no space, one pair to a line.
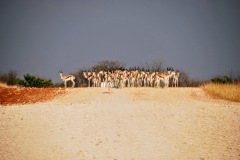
222,79
33,81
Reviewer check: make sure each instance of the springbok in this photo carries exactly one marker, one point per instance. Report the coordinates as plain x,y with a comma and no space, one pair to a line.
110,78
175,78
103,79
88,76
120,78
66,78
174,75
164,78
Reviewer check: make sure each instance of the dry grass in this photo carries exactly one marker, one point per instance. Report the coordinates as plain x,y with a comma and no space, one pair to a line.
4,85
224,91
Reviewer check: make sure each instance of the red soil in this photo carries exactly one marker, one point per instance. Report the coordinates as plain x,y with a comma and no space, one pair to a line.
10,96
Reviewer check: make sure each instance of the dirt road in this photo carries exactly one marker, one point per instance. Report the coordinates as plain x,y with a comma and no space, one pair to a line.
126,124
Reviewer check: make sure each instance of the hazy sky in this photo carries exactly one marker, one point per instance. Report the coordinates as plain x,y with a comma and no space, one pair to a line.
201,37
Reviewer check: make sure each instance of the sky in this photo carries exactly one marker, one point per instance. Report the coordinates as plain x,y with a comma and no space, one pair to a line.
40,37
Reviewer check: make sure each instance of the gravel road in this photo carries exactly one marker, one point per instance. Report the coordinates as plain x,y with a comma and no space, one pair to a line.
125,124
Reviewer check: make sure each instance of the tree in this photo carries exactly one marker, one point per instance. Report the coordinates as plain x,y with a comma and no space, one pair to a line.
9,78
33,81
108,65
184,79
155,66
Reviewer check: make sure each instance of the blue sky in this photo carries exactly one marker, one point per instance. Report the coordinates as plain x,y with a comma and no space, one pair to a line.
200,37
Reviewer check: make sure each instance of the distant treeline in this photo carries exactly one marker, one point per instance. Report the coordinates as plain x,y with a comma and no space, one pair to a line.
11,77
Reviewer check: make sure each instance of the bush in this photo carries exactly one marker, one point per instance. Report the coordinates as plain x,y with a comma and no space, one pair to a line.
33,81
222,79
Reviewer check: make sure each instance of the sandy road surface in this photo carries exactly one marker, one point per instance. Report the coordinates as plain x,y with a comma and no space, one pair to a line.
126,124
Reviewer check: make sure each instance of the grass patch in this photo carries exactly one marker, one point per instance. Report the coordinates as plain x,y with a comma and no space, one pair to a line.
224,91
4,85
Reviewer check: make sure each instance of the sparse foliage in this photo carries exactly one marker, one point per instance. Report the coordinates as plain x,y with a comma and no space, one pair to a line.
184,79
9,78
108,65
155,66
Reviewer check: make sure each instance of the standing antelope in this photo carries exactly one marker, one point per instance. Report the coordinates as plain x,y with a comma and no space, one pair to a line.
174,75
88,76
164,78
175,79
66,78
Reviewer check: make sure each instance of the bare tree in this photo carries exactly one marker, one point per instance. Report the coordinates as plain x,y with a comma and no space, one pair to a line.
108,65
9,78
184,79
155,65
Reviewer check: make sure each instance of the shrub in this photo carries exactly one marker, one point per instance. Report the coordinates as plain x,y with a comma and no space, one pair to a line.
33,81
221,79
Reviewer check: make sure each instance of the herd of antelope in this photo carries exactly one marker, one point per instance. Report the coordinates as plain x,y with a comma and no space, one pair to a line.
121,78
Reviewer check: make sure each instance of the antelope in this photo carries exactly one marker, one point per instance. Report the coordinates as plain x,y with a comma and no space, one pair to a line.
66,78
156,79
110,78
164,78
148,79
174,75
175,78
88,76
103,79
95,79
133,77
